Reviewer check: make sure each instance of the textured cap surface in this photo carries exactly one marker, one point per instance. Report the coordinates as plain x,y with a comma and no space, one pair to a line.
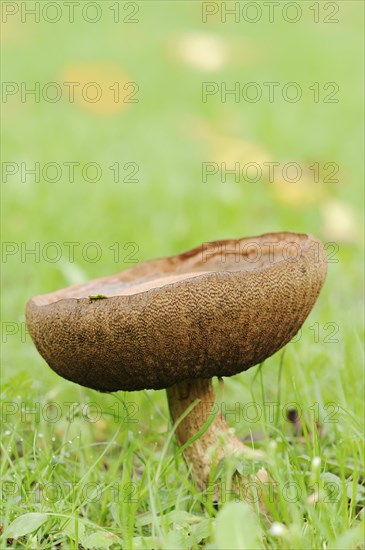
215,310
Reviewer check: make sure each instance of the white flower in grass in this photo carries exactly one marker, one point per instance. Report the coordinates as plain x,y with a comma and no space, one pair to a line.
278,529
316,463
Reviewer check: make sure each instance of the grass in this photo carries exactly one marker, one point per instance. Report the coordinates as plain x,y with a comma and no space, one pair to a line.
104,470
109,464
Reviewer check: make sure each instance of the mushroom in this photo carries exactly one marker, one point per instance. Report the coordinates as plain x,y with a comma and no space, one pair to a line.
177,322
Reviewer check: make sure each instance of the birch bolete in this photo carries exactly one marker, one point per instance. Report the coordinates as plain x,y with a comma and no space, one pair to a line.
177,322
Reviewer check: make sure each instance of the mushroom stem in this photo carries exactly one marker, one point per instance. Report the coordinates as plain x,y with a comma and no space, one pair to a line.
209,448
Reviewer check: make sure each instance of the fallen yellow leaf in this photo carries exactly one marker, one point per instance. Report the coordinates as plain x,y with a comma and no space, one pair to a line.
201,51
98,88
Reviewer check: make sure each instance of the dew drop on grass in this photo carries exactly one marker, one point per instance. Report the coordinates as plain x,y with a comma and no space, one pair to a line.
40,434
8,432
53,438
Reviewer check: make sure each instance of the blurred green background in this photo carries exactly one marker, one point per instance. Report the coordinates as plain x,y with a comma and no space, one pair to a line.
168,52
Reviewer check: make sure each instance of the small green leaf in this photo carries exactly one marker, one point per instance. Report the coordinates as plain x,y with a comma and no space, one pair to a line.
101,539
145,543
69,530
356,492
352,538
200,532
97,297
25,524
176,540
182,518
237,528
332,485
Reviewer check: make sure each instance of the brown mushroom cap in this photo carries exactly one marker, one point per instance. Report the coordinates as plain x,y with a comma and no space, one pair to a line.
215,310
